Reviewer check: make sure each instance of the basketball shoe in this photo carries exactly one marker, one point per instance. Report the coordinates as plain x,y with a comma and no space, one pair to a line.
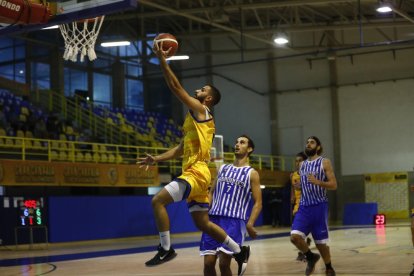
162,256
330,272
242,258
412,272
310,267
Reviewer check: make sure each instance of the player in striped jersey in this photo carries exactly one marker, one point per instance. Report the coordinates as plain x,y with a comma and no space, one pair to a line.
296,194
316,176
236,186
193,184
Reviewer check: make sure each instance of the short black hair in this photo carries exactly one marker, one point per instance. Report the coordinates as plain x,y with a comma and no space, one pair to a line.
318,142
302,155
250,142
215,93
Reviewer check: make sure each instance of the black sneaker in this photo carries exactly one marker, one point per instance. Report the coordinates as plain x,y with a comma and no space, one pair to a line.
330,272
310,268
301,257
162,256
242,258
412,272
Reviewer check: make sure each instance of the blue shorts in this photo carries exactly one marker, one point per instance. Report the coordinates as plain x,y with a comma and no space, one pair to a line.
235,228
312,219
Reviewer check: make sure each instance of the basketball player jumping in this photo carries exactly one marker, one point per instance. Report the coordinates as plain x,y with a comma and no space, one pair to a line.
192,185
236,185
316,176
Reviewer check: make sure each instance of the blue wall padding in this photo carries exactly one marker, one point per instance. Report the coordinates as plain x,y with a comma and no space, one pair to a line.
89,218
359,213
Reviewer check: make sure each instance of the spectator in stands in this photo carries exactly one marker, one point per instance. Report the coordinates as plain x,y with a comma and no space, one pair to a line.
4,124
40,130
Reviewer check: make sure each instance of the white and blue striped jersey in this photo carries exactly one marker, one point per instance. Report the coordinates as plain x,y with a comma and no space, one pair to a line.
232,194
312,194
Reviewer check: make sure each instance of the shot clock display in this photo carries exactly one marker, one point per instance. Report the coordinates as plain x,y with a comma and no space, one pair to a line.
380,219
31,212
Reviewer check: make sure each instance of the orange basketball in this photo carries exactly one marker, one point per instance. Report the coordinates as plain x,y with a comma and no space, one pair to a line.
168,41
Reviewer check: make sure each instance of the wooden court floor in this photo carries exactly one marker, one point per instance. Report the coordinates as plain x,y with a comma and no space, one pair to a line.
355,251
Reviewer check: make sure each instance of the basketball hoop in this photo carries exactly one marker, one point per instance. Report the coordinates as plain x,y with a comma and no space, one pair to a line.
80,38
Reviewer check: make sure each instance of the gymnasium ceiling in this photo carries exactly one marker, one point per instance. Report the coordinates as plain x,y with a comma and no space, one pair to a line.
311,24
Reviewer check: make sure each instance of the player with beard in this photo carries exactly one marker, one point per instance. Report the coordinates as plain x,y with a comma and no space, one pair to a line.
193,184
316,176
236,186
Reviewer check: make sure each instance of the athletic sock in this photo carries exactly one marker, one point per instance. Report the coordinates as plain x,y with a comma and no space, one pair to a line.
232,244
165,240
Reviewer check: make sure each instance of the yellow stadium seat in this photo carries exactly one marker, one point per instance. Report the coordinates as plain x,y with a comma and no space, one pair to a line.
111,158
79,156
28,134
88,157
37,144
18,143
104,158
3,132
63,146
102,149
20,133
22,118
28,144
96,157
54,144
63,156
69,130
119,158
71,156
54,155
24,110
62,137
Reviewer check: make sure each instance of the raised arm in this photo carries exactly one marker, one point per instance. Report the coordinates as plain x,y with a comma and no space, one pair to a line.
257,207
174,84
172,153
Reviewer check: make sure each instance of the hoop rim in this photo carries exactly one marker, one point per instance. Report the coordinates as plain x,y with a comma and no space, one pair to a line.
89,20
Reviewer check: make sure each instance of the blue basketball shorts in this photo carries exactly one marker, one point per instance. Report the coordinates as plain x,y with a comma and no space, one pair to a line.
312,219
235,228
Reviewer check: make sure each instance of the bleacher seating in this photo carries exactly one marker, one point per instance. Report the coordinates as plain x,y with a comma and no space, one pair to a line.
36,130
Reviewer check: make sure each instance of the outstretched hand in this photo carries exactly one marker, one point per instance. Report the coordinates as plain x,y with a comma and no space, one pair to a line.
147,161
157,48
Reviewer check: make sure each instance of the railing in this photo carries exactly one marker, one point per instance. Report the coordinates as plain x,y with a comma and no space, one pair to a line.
70,151
84,116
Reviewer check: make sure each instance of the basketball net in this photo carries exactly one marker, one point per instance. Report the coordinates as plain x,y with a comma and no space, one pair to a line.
80,38
217,152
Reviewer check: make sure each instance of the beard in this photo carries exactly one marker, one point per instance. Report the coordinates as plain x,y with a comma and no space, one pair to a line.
200,98
310,152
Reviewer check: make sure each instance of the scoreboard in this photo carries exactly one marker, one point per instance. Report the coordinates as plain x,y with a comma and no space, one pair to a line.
31,212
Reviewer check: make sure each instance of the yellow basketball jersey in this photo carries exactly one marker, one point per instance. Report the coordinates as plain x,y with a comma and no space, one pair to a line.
198,138
298,193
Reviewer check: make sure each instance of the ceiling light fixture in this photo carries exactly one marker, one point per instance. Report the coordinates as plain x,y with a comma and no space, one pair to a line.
115,43
51,27
184,57
281,39
384,7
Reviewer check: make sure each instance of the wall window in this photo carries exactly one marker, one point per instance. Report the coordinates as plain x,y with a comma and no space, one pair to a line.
134,98
75,79
102,89
40,76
